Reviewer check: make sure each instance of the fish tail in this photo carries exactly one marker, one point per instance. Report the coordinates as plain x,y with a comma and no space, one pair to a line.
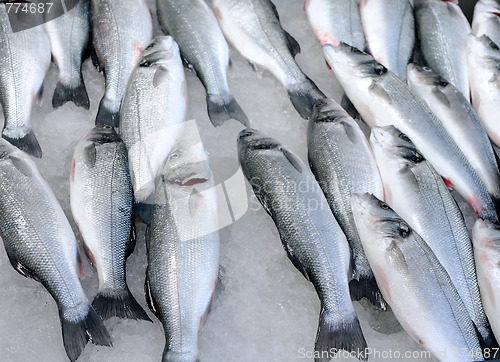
64,93
121,306
223,108
366,287
77,334
27,143
106,116
336,333
303,96
172,356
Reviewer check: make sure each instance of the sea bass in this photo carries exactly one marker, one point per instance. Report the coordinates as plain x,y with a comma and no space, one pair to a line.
41,245
486,240
183,253
442,31
383,99
342,161
414,283
483,57
24,60
311,237
101,204
389,26
417,193
154,105
194,27
486,19
254,29
69,39
121,30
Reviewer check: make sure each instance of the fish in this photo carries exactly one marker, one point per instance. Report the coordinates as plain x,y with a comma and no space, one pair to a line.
389,26
460,121
486,241
483,57
183,252
254,29
310,235
24,61
204,49
120,32
486,19
442,31
154,106
383,99
40,244
341,159
425,303
101,203
69,36
416,192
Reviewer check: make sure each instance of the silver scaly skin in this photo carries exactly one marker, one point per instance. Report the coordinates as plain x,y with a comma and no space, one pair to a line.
442,31
389,26
40,244
69,38
342,161
183,252
486,19
310,235
194,27
254,29
414,283
418,194
121,31
154,106
383,99
101,204
24,60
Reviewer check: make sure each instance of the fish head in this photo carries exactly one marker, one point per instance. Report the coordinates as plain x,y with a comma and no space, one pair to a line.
482,49
251,140
423,78
160,51
327,111
486,237
390,145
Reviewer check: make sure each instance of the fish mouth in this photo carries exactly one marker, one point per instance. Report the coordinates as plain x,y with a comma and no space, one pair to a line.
192,181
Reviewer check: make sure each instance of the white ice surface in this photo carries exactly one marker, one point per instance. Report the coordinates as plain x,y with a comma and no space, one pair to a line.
264,309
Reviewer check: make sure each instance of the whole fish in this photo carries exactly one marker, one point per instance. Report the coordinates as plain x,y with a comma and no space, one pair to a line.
342,161
389,26
486,240
311,237
183,253
414,283
461,122
254,29
154,105
483,57
486,19
417,193
24,60
383,99
101,204
194,27
120,32
442,31
69,38
41,245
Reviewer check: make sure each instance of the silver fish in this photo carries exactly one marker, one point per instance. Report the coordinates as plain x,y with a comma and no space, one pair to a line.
254,29
414,283
194,27
486,240
486,19
418,194
121,30
41,245
383,99
389,26
342,161
183,253
442,31
24,60
69,37
311,237
101,204
154,105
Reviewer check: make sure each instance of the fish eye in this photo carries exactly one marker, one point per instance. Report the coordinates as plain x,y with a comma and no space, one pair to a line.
427,69
404,137
493,46
356,51
246,134
384,206
174,155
